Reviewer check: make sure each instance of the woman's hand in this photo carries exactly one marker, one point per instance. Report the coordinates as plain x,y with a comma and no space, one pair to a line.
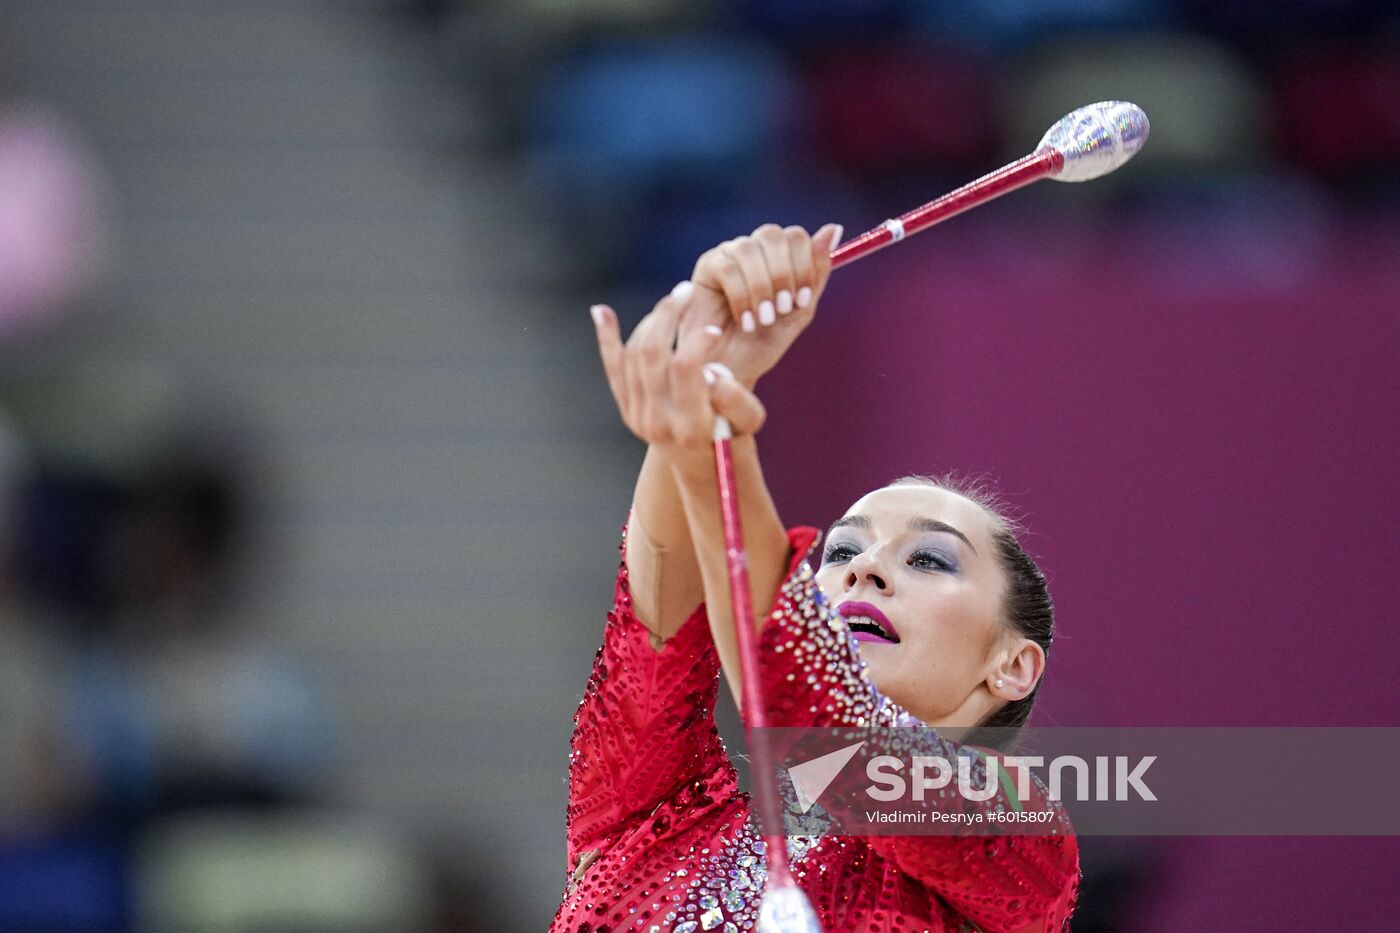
669,399
762,290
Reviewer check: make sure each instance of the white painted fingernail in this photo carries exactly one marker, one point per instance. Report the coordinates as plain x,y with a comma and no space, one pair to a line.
765,312
804,297
713,330
710,377
836,240
718,370
683,290
597,312
746,322
784,301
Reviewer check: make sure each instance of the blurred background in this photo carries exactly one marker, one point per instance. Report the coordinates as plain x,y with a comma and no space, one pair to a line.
312,486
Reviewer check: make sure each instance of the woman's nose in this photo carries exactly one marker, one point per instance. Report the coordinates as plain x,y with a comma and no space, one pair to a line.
864,567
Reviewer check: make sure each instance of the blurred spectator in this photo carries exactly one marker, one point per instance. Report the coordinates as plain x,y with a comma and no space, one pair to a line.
51,225
130,542
618,123
37,775
898,106
1353,142
630,116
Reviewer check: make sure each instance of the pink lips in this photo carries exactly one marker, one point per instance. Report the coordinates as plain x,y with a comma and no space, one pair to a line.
856,608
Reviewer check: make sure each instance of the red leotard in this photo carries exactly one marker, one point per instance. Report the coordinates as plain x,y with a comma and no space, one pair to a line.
660,837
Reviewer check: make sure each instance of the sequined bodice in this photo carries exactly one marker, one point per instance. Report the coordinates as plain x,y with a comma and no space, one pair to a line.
660,838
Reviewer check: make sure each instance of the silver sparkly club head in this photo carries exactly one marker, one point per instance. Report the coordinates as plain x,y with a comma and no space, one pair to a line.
1096,139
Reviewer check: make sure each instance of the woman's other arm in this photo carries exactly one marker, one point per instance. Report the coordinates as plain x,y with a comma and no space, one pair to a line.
666,587
664,399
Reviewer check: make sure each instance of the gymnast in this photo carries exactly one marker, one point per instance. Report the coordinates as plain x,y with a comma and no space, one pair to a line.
924,610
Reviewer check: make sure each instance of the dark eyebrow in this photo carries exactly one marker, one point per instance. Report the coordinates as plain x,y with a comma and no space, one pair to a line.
915,524
932,524
850,521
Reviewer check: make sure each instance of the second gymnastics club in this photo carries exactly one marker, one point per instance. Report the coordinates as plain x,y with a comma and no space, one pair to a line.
1090,142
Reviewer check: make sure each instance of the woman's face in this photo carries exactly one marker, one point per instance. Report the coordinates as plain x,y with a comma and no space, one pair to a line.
919,562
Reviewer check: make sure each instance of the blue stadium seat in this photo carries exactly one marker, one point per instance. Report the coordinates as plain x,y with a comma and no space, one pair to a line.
66,882
626,117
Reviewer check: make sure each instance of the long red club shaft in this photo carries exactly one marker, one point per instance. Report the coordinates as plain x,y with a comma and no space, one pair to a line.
1004,180
755,715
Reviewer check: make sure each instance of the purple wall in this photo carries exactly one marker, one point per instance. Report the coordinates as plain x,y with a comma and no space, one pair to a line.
1199,424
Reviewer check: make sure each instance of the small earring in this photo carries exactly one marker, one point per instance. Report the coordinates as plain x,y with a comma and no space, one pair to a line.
1000,682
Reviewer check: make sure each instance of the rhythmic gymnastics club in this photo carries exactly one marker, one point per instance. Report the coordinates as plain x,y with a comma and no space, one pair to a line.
1090,142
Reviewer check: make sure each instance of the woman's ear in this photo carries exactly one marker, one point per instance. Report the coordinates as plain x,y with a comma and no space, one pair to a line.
1018,672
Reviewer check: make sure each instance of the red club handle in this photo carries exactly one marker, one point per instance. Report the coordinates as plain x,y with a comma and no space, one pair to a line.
755,716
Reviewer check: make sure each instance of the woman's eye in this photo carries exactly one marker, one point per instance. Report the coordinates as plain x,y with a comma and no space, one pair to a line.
837,553
930,560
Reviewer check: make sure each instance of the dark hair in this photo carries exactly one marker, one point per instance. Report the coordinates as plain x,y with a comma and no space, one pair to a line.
1027,604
